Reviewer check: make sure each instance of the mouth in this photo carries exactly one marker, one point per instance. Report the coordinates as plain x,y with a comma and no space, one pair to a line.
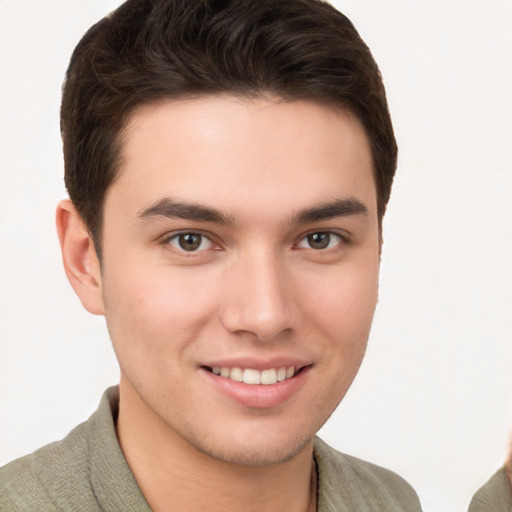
256,384
253,376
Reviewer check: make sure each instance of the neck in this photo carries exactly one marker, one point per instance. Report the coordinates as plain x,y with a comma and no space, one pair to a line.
174,475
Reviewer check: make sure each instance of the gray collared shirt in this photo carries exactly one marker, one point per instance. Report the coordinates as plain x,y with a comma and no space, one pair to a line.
87,472
494,496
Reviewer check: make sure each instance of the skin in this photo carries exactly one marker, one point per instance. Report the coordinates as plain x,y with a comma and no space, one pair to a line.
258,289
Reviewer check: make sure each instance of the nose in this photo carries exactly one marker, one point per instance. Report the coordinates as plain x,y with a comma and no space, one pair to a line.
260,300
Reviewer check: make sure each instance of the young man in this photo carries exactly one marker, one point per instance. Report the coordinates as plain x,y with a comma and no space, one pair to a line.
228,165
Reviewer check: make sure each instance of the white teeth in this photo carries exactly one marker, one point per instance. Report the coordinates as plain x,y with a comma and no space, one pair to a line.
251,376
236,374
269,376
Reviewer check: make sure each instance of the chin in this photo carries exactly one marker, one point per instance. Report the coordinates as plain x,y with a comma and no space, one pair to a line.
250,455
255,449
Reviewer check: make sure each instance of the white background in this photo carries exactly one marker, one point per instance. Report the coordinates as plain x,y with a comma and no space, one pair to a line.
433,400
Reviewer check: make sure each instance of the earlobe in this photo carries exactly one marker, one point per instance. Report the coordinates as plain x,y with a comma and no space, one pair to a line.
79,257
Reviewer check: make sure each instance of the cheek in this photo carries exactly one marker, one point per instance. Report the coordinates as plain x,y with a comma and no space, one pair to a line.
346,302
155,308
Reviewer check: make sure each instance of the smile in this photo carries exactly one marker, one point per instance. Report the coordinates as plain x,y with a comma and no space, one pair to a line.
252,376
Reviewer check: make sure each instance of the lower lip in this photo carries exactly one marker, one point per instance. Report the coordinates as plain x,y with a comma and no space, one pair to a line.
258,395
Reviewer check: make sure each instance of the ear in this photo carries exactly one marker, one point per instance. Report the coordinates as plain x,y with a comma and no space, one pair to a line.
79,257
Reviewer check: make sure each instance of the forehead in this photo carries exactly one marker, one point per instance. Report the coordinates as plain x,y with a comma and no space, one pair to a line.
215,149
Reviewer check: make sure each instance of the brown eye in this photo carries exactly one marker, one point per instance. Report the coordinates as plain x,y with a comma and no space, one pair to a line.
190,242
320,240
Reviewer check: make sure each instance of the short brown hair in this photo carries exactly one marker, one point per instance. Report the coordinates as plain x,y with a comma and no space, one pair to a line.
148,50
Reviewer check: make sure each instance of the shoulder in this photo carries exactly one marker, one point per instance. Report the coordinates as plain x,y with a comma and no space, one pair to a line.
495,495
62,475
41,480
86,471
351,483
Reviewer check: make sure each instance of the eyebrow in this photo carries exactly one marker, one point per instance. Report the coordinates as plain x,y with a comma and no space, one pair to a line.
336,208
170,208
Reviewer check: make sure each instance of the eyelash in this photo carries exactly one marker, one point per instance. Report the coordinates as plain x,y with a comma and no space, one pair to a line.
176,236
342,240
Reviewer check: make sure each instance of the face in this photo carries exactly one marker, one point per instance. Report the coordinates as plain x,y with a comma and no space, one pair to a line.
240,270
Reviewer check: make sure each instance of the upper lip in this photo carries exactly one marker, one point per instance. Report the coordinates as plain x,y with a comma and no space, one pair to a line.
258,363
